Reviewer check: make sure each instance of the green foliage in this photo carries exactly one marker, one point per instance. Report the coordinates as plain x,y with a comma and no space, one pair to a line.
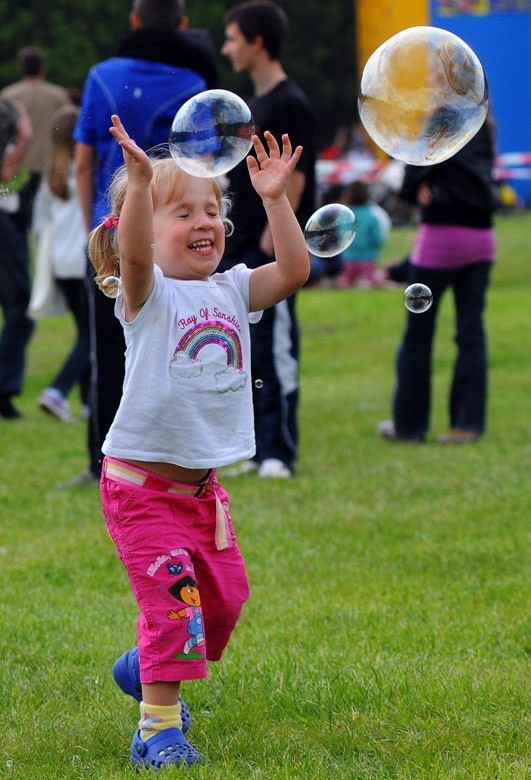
319,52
387,634
73,37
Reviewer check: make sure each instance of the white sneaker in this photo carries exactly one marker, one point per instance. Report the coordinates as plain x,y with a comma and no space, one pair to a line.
246,467
54,402
272,467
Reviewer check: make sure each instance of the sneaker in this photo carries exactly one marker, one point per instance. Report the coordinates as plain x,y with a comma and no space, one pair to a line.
126,674
387,430
169,746
274,468
459,436
85,478
246,467
53,401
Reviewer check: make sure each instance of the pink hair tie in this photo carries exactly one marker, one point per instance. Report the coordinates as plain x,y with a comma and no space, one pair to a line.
111,221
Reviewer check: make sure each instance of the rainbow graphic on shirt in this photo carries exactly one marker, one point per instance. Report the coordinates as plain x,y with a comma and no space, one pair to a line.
212,332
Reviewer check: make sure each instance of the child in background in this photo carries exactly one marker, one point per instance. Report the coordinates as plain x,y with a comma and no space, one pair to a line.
186,409
360,259
57,208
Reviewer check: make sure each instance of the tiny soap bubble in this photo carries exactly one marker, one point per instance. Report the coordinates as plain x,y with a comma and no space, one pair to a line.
330,230
112,286
423,95
211,133
418,298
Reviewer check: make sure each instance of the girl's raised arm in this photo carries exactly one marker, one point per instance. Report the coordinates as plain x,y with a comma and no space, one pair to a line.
270,173
135,226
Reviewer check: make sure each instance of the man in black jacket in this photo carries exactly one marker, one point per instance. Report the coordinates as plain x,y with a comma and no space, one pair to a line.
254,36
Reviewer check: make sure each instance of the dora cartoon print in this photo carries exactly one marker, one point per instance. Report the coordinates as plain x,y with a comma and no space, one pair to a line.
187,591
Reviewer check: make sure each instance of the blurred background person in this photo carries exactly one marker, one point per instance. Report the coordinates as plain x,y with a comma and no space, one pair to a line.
58,222
41,100
15,287
255,32
360,258
455,248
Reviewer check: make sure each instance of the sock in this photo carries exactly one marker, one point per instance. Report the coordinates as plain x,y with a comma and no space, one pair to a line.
155,718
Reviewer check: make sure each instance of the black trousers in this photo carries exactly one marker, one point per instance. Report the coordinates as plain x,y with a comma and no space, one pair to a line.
15,290
468,391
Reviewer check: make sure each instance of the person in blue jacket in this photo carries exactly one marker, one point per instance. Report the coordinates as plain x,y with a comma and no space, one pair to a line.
157,67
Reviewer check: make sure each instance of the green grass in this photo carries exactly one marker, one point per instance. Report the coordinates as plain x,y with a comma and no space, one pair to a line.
387,634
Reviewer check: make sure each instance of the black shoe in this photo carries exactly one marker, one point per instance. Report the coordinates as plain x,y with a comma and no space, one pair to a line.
7,410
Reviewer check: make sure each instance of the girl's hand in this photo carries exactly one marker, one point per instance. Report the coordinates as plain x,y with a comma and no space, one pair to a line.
136,160
270,173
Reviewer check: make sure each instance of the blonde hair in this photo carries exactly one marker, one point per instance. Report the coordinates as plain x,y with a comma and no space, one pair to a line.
169,183
63,123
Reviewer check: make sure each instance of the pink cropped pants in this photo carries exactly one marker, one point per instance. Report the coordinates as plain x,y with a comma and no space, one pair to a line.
178,545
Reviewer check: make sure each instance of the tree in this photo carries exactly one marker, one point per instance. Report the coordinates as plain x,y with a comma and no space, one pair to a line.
319,52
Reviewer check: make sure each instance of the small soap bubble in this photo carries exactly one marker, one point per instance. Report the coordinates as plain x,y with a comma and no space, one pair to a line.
423,95
112,286
258,383
211,133
330,230
418,298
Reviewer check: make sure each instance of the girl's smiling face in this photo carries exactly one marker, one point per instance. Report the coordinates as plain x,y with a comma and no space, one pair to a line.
189,232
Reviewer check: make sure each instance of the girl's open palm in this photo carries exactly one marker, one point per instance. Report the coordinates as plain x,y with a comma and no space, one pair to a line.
270,172
136,160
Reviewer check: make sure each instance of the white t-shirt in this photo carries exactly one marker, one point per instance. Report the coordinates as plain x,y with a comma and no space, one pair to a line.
187,396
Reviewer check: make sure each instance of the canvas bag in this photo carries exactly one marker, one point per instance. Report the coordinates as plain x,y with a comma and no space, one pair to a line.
46,299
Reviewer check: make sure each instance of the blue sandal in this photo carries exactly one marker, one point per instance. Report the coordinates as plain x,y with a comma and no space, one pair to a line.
167,747
126,673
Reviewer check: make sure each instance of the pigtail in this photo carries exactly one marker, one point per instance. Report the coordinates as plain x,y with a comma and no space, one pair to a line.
103,252
103,242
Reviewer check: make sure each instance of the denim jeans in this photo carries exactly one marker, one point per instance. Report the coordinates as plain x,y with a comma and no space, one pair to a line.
76,367
468,394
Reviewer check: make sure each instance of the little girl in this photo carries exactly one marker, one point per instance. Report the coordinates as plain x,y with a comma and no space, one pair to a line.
186,409
57,209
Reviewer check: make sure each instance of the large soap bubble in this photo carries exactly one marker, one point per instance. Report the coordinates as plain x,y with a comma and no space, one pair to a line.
211,133
330,230
423,95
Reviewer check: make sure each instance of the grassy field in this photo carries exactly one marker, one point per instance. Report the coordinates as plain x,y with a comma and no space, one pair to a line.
387,635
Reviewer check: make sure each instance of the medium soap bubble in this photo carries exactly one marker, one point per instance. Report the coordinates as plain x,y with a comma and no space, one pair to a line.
423,95
330,230
211,133
418,298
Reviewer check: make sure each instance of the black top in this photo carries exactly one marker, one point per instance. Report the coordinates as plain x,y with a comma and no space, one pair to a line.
462,187
284,109
191,49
